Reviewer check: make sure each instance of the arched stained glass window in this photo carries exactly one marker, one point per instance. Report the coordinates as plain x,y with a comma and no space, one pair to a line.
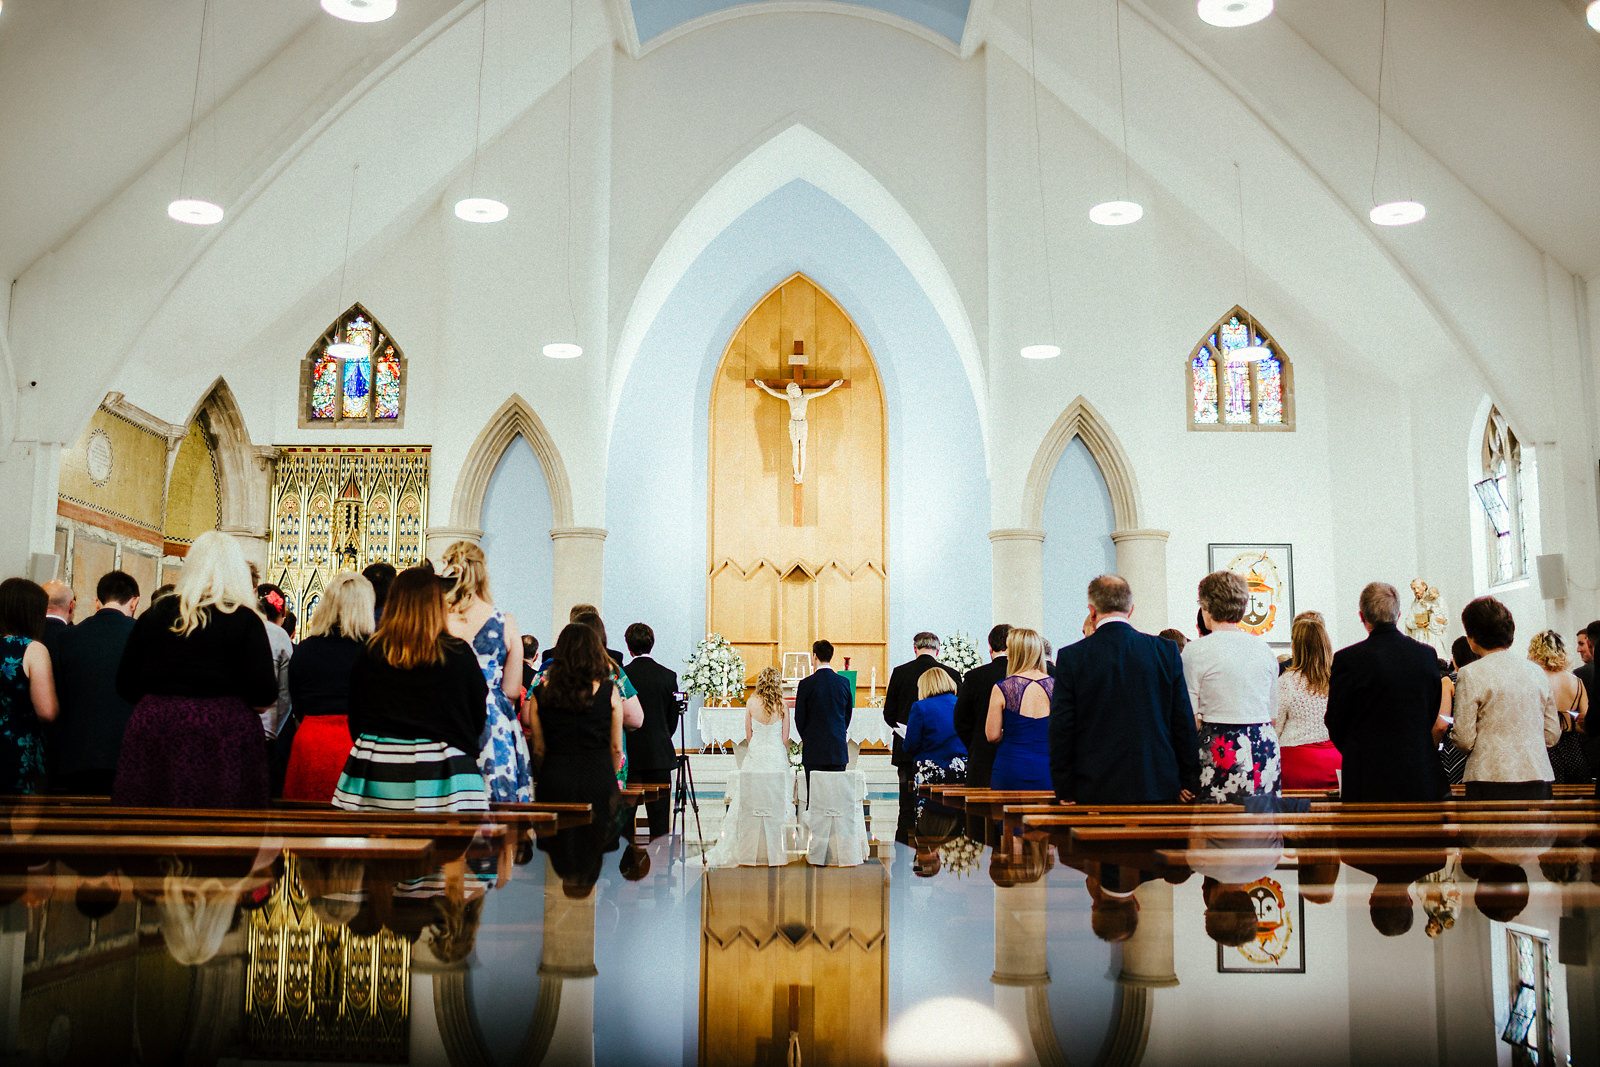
364,390
1227,393
1508,485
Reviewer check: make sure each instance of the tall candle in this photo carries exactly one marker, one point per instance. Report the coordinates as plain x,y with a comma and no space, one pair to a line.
872,690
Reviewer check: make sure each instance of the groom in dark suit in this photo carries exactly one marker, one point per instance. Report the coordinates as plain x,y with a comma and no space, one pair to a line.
822,713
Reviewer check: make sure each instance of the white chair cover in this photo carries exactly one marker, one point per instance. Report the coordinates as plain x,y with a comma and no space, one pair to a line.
763,803
835,819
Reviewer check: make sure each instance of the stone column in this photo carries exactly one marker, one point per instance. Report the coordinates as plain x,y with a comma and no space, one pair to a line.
1021,967
439,538
1018,577
256,543
579,571
568,959
1147,956
1142,560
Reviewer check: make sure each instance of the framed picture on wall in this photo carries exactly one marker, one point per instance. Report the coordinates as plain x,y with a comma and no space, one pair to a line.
1269,571
1279,946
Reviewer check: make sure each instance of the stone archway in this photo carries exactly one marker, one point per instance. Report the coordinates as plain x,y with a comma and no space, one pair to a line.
243,469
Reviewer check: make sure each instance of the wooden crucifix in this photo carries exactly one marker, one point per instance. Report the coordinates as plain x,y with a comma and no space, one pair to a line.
798,392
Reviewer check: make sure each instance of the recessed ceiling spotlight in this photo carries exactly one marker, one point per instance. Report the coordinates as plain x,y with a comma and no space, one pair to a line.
1040,351
194,212
481,209
1594,14
1116,213
563,350
1397,213
1231,13
360,10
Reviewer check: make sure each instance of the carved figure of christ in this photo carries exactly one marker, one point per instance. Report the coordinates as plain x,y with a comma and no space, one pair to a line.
797,399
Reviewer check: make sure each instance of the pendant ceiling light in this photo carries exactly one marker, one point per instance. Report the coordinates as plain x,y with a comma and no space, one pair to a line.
1040,350
360,10
346,349
1253,349
1119,212
1594,14
194,210
1231,13
477,208
568,349
1404,210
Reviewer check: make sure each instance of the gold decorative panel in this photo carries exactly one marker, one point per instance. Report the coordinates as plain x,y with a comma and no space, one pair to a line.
337,509
114,476
319,992
195,491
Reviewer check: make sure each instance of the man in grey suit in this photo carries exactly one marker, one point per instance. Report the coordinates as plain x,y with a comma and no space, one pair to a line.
822,713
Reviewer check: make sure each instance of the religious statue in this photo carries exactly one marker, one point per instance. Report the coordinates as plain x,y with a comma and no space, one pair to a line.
798,398
1426,621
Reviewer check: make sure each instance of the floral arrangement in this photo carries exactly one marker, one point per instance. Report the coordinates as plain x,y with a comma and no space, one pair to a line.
960,855
958,651
716,670
795,754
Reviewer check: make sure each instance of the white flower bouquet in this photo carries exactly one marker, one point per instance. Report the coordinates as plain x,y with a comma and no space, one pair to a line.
958,651
715,671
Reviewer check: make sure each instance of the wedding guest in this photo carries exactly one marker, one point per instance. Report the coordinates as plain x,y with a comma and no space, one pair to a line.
574,614
1310,760
60,607
1505,715
198,668
632,709
936,752
381,575
530,661
1567,759
278,719
27,688
1590,731
1019,716
1175,636
652,753
417,707
577,712
897,700
972,707
1121,728
1383,699
319,686
493,636
1232,677
92,716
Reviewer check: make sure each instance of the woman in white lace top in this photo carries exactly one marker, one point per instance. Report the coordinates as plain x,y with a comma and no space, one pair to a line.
1310,761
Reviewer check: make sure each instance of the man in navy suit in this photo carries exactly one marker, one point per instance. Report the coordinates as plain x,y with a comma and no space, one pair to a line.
822,713
1121,727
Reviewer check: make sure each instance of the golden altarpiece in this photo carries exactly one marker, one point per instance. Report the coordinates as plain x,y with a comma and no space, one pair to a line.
336,509
797,539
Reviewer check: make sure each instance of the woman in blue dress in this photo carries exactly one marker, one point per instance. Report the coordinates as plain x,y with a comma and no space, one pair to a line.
495,640
1019,716
27,688
931,743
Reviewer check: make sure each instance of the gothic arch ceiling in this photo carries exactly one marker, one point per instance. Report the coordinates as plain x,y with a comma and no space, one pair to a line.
653,18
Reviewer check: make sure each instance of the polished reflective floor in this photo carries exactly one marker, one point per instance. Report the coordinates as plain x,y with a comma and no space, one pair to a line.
1237,951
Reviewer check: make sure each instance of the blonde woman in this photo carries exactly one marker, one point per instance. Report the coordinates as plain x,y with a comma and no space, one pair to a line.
766,708
931,742
495,640
198,669
1310,760
1567,760
1019,716
319,686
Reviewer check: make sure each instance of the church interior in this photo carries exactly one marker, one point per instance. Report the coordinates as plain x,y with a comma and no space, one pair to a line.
787,320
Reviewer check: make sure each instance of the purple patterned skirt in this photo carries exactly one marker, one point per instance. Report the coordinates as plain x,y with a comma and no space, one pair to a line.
192,752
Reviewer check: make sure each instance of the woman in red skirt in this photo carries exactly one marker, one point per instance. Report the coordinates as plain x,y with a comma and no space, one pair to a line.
319,686
1309,759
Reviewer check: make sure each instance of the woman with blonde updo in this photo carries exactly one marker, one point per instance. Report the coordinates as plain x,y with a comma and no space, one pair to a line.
495,640
1572,703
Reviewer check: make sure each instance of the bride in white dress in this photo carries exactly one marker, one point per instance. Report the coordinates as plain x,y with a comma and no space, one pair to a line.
761,790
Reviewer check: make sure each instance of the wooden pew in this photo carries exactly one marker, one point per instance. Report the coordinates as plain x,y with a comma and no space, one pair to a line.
198,845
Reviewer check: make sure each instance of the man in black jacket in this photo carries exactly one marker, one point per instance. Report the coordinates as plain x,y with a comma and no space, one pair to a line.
652,755
972,707
822,714
897,701
1588,645
1383,699
88,730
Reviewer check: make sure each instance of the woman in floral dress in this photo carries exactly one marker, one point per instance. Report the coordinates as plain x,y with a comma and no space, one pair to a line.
495,640
27,689
1232,677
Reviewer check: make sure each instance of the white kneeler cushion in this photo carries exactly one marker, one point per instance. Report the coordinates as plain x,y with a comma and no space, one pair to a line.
835,820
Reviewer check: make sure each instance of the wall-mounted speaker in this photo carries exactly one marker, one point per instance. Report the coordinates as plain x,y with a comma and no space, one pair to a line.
1553,576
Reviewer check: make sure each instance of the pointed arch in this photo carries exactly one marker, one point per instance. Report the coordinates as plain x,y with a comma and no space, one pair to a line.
515,418
1081,420
242,467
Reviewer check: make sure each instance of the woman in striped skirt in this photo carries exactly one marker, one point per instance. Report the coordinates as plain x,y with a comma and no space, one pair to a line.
417,707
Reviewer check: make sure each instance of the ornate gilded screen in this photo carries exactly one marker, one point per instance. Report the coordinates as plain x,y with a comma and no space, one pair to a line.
337,509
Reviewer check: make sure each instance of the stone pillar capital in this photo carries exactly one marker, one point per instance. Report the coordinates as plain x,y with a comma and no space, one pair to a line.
1119,536
590,533
1021,533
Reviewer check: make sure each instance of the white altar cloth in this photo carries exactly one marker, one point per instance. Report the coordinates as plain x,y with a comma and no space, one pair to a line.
726,726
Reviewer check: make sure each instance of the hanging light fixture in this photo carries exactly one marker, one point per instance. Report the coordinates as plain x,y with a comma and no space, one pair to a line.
1405,211
1040,351
360,10
1231,13
346,349
194,210
568,349
477,208
1252,350
1593,14
1119,212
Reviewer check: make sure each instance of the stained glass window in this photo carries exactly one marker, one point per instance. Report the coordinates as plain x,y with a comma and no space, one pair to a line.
1508,485
1235,394
365,390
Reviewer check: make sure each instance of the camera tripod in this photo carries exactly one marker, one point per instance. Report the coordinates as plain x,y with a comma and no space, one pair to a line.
683,793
